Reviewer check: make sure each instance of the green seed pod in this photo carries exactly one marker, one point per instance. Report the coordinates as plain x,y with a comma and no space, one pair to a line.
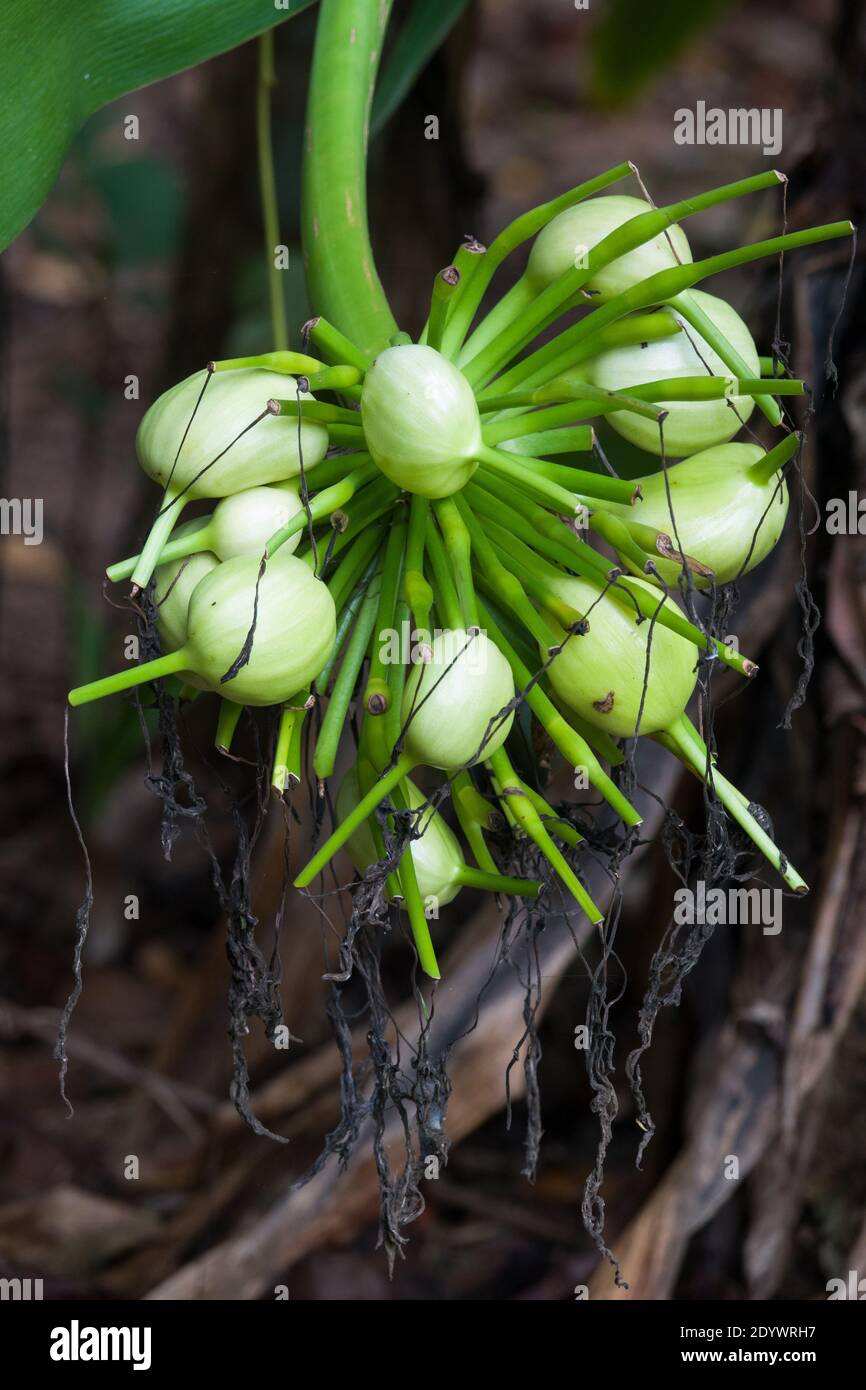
421,421
690,426
728,516
244,523
267,453
436,854
601,674
454,696
294,633
562,245
173,588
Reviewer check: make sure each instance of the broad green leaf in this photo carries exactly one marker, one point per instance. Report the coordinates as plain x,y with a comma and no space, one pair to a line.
633,44
426,27
61,60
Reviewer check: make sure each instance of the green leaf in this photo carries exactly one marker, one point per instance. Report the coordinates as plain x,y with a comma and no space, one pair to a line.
427,26
631,45
61,61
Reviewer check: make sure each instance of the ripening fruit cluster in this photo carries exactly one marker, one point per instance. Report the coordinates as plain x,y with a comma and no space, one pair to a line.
437,485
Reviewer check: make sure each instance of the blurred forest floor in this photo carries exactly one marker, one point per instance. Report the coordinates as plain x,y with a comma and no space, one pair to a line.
147,261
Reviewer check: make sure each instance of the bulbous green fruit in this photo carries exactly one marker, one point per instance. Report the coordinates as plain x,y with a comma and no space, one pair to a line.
421,421
174,584
452,699
690,425
244,523
601,674
726,516
294,632
267,453
563,243
435,854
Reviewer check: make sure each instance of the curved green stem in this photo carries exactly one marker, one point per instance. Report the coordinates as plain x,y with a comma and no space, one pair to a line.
341,273
227,722
686,304
692,750
170,508
365,807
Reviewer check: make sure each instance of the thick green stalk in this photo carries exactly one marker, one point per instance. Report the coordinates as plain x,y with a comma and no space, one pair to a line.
292,363
445,286
341,273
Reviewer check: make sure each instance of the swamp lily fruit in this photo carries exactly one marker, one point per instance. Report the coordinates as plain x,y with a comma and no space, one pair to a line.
283,619
690,426
295,628
562,245
450,700
266,453
421,422
435,854
729,515
601,674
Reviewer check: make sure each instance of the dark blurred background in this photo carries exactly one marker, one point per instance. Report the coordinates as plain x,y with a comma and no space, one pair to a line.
147,260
